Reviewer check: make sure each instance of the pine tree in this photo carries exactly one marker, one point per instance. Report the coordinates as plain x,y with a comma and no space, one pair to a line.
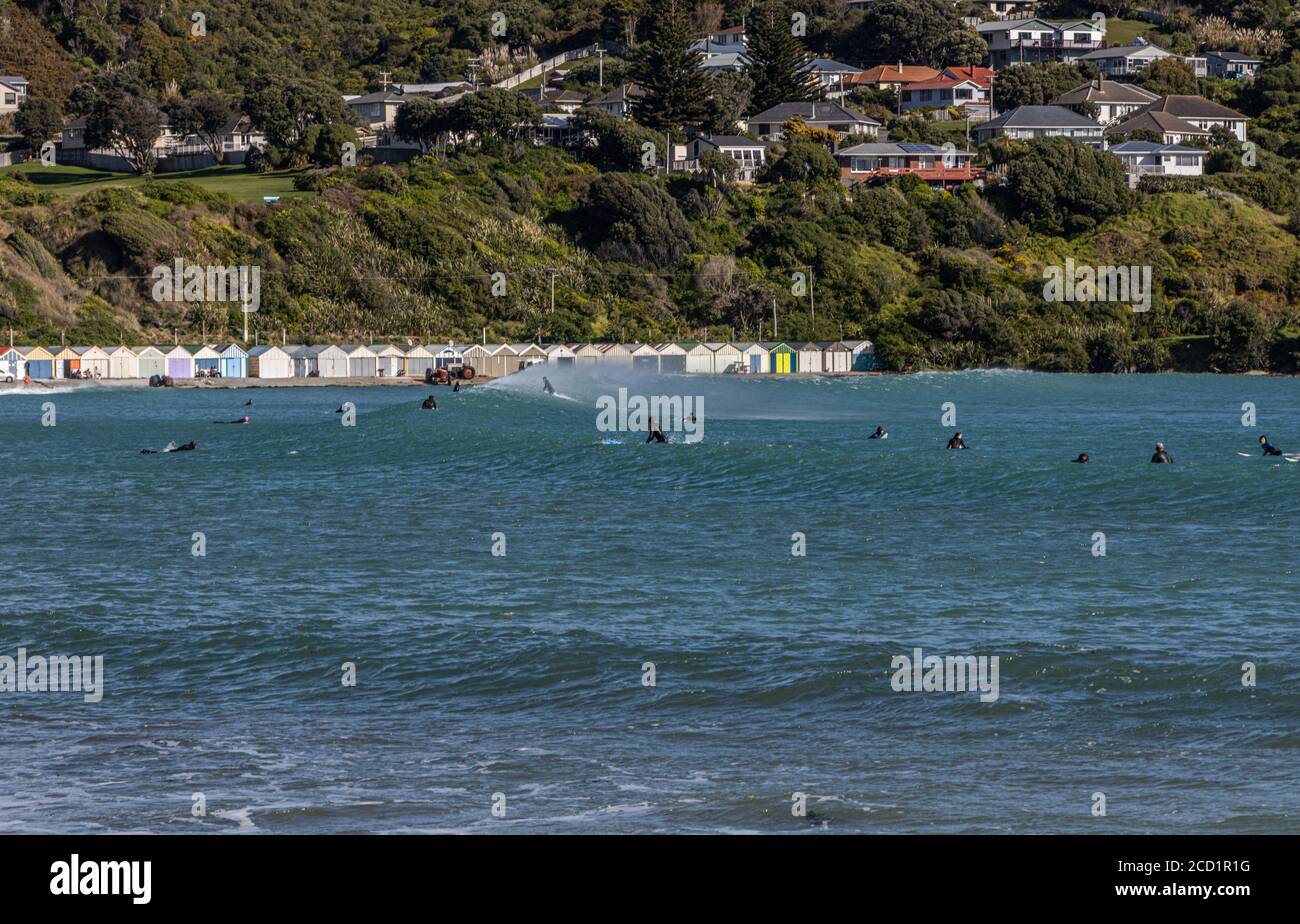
668,69
777,58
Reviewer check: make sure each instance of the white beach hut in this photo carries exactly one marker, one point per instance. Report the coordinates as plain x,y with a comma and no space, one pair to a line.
645,358
699,358
451,356
151,361
836,356
390,362
419,360
206,359
331,362
810,357
530,354
754,356
560,354
234,362
94,361
362,362
614,354
725,356
123,363
863,353
586,354
672,357
269,362
304,360
13,365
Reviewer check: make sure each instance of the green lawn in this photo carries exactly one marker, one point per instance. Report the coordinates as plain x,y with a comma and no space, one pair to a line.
1124,31
235,180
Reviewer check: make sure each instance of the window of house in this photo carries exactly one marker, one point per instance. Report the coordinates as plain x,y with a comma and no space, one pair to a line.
1187,160
11,99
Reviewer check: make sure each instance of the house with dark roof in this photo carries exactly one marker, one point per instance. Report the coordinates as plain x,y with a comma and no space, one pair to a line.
750,155
1025,41
724,62
1201,112
1170,128
1146,158
1114,100
770,123
1230,64
1024,123
834,77
941,167
619,101
1124,62
378,110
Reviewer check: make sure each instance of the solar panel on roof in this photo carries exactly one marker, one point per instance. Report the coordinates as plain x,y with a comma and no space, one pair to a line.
914,148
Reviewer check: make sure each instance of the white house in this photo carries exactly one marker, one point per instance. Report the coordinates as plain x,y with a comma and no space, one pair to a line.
123,363
835,78
13,90
1124,62
970,96
1201,112
1025,123
390,362
749,155
1114,100
1146,158
269,362
1024,41
560,354
619,101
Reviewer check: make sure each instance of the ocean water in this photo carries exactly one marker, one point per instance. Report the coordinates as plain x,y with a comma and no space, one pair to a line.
522,674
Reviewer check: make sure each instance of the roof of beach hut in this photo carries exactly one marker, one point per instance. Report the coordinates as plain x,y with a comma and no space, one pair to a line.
671,348
233,349
640,349
266,348
30,351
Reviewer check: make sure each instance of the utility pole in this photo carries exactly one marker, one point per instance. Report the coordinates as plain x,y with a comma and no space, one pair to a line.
553,275
600,64
774,334
385,77
812,301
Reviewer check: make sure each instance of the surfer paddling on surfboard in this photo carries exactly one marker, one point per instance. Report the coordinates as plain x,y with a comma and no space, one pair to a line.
1269,448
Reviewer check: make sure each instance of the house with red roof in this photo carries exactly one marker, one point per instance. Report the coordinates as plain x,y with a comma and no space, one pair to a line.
892,76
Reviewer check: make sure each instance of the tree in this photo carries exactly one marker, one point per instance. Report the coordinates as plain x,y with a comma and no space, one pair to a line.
1168,77
285,106
719,168
633,220
204,115
917,32
804,162
122,118
495,116
1059,186
668,69
424,121
778,60
1034,84
324,142
38,120
619,143
797,130
729,100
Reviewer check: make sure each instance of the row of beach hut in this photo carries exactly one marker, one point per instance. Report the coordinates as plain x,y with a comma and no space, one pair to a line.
385,360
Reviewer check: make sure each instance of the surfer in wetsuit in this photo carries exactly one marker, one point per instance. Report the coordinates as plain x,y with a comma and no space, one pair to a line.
185,448
656,435
547,388
1161,456
880,434
1083,458
957,442
430,404
248,403
456,387
242,420
1269,448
